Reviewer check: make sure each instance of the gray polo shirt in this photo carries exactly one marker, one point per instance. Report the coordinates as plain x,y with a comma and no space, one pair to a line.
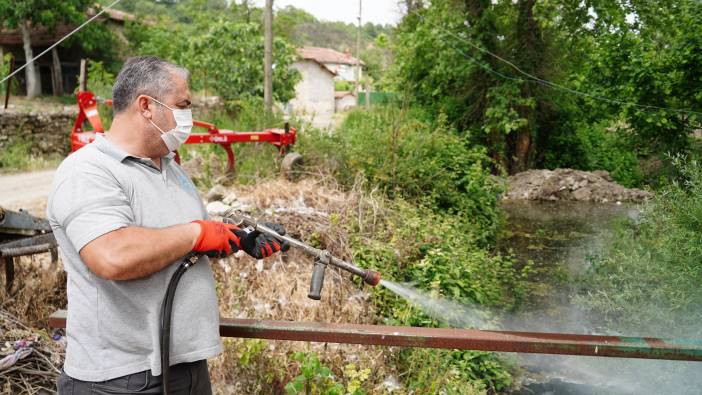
112,327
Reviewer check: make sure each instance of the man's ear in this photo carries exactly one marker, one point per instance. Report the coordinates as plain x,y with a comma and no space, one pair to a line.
142,103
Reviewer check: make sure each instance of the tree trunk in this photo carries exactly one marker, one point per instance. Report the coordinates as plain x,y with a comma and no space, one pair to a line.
56,75
531,50
32,76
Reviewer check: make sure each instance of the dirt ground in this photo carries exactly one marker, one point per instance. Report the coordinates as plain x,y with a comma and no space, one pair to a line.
27,190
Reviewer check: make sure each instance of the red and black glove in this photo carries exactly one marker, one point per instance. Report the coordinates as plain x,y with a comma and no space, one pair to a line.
217,239
259,245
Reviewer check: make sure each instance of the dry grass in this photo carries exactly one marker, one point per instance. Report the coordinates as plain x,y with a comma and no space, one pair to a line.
39,289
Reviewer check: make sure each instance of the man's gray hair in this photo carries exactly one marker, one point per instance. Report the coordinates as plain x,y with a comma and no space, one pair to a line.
144,75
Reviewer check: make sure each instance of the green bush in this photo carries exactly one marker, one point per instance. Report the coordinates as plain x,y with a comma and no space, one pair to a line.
16,155
5,62
433,217
343,86
651,275
441,255
603,146
405,155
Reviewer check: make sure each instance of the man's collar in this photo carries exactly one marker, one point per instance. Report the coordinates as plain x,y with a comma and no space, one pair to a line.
110,148
115,151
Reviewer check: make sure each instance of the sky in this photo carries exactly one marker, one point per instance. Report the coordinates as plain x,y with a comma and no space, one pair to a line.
375,11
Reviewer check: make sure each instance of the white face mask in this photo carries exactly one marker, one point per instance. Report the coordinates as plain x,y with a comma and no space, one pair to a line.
175,137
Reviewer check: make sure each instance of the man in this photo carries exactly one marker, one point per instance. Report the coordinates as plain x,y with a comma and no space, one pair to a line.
123,213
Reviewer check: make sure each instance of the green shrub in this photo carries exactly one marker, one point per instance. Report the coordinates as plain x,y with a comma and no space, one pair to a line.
17,155
5,62
651,275
431,222
343,86
441,255
603,146
405,155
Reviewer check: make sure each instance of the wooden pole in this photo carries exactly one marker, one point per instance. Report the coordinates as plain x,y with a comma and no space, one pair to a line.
268,56
358,52
367,93
8,85
56,75
82,79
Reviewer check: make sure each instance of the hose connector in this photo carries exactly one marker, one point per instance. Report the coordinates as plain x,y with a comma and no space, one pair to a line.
371,277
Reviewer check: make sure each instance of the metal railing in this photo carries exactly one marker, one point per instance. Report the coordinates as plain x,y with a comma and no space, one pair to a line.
462,339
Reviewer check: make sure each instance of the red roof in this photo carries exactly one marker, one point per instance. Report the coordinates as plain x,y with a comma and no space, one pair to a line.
327,55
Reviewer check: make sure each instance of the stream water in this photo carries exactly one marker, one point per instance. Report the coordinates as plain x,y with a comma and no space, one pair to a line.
560,239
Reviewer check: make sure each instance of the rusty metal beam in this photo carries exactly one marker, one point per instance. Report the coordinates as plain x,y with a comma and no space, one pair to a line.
463,339
46,238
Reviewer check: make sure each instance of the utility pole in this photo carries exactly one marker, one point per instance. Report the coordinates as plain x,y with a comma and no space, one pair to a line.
268,56
358,51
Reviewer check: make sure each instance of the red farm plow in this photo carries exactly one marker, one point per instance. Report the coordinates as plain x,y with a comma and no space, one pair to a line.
283,139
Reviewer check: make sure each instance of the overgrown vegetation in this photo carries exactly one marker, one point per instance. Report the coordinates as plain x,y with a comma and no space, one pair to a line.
430,218
17,156
648,282
403,153
434,228
628,60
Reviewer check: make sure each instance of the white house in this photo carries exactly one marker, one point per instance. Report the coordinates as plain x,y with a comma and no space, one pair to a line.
343,64
314,94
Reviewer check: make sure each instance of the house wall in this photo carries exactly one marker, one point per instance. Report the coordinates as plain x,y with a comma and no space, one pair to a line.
314,94
344,72
346,102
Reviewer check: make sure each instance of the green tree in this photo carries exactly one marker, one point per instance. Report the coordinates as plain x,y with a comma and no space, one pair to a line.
628,61
232,55
29,14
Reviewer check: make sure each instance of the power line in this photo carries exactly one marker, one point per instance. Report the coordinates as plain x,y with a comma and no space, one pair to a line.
544,82
59,41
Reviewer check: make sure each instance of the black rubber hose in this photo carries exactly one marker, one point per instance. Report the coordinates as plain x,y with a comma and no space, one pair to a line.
166,313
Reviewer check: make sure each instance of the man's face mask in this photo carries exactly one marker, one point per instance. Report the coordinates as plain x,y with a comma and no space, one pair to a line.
175,137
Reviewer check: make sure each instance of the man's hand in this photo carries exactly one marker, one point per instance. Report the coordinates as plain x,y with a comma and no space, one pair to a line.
217,239
259,245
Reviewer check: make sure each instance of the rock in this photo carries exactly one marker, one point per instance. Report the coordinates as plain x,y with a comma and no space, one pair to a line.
217,192
603,174
231,198
569,184
217,208
193,167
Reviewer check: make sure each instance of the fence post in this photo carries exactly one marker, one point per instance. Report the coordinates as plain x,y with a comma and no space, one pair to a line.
83,78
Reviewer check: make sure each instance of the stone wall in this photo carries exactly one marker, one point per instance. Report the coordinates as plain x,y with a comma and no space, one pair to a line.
48,133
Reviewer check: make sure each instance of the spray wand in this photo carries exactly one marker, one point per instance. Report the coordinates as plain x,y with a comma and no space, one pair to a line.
322,259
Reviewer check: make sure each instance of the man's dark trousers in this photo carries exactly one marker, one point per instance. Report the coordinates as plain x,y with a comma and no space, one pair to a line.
186,379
